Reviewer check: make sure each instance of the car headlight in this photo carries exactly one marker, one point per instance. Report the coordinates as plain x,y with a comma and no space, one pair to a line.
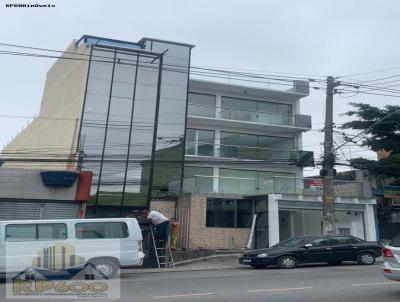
262,255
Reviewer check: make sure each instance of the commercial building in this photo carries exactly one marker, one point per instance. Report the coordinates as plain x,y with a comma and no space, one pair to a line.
222,157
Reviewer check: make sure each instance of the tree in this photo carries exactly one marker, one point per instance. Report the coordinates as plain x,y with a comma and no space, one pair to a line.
380,131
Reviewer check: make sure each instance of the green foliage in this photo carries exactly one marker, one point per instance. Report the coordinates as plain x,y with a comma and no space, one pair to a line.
381,130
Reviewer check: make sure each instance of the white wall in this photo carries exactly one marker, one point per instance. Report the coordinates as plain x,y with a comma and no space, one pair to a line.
308,222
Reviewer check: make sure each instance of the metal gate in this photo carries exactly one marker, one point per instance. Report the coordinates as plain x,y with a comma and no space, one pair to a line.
261,234
37,209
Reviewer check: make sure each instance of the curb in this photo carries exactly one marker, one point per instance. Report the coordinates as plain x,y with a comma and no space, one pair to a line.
157,271
180,263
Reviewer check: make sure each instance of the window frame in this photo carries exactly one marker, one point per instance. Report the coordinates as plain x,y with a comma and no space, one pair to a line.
196,143
197,104
101,223
235,218
36,231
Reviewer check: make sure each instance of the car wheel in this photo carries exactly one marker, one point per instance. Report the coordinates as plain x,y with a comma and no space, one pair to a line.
365,259
258,266
102,268
287,262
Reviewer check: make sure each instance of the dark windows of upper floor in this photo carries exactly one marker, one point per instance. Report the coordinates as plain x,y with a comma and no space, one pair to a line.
201,104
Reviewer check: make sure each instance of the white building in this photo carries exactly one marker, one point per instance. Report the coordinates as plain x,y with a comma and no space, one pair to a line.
244,156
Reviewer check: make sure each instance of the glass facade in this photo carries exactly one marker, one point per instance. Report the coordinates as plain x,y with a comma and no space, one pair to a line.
201,104
133,124
193,183
256,147
169,145
199,142
256,111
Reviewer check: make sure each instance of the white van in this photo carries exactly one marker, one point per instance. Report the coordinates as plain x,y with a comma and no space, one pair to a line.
59,245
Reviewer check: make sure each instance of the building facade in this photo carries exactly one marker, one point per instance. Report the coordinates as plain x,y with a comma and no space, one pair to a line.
118,109
225,159
243,170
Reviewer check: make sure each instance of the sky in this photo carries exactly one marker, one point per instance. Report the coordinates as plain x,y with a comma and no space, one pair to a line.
307,37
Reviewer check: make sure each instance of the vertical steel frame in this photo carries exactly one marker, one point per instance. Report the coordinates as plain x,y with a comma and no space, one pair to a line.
105,135
130,135
153,152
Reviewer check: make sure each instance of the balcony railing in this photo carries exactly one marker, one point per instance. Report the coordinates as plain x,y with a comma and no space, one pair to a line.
266,118
303,158
269,185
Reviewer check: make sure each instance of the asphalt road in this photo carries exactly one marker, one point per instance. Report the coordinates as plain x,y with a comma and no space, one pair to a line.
319,283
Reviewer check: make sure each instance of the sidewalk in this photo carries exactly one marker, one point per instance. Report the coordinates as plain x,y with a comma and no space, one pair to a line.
215,262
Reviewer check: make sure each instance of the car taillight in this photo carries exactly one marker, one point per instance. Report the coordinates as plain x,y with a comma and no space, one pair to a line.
386,270
387,253
140,246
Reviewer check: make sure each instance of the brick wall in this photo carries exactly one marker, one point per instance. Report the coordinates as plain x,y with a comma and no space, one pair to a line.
201,236
166,207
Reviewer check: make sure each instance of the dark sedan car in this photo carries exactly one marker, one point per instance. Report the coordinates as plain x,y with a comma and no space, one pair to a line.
314,249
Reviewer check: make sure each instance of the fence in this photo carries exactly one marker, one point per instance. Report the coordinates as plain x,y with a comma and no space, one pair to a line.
182,215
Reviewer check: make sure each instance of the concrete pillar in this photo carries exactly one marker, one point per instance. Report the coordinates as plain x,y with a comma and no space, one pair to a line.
217,142
215,182
273,218
369,220
218,102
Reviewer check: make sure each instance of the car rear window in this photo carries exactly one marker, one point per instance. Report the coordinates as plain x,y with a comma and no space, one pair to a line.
395,241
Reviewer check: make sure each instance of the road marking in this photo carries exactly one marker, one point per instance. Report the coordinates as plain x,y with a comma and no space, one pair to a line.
382,283
185,295
279,289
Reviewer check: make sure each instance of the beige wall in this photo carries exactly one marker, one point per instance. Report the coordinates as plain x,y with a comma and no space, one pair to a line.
166,207
55,130
201,236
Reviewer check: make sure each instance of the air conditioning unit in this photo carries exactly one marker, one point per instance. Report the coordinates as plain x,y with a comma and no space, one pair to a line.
301,87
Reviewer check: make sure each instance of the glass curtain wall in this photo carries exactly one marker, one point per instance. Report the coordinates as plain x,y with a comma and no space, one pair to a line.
257,111
200,142
201,105
171,121
117,128
253,182
256,147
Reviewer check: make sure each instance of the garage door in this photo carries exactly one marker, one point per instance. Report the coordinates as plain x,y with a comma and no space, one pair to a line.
37,209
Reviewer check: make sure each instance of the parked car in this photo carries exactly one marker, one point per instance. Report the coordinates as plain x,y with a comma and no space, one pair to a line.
391,256
101,245
314,249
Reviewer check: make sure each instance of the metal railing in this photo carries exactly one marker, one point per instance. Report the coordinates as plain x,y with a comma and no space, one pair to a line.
245,152
269,185
262,117
313,186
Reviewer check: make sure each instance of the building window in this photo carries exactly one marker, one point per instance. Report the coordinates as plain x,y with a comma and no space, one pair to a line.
201,105
200,142
257,147
101,230
229,213
256,111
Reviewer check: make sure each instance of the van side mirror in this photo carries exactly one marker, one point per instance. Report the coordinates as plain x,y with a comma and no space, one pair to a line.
308,245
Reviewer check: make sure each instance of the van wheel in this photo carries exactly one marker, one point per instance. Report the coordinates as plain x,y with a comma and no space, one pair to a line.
102,268
365,259
287,262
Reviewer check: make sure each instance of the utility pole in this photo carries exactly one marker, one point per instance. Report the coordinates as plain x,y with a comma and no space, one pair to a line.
327,172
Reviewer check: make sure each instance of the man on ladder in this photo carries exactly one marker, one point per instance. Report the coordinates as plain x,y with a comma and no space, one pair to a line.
160,222
161,237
